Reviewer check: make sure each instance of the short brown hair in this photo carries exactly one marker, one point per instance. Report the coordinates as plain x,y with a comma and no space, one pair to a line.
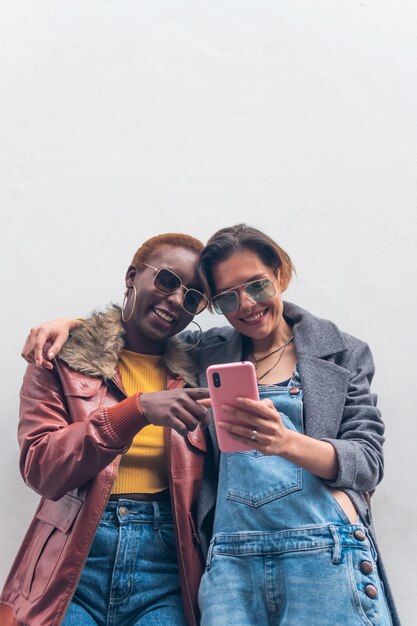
177,240
242,237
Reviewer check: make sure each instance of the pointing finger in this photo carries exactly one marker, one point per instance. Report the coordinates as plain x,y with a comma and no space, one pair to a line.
198,393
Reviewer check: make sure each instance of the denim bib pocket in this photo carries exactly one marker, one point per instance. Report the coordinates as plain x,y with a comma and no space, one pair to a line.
254,479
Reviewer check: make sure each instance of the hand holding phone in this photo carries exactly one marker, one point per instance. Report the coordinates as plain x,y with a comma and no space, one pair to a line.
227,382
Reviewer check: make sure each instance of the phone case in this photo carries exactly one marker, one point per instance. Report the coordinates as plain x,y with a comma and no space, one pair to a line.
226,382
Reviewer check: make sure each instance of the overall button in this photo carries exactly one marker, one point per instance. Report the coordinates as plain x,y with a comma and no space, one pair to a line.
359,535
366,567
294,391
123,510
371,591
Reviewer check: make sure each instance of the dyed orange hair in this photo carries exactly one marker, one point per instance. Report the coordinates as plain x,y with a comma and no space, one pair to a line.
177,240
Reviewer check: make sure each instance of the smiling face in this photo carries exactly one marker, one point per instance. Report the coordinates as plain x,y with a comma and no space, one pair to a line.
262,321
157,316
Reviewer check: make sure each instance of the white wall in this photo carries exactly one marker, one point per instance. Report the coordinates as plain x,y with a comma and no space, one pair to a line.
124,119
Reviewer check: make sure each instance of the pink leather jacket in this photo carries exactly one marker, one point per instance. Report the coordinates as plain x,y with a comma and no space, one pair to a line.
73,426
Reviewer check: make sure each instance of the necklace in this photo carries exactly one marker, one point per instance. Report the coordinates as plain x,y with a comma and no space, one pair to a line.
283,348
284,345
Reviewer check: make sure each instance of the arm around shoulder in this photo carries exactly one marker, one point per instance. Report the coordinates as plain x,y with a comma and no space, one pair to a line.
44,342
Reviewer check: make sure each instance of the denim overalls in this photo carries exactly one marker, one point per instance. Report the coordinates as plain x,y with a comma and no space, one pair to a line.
283,550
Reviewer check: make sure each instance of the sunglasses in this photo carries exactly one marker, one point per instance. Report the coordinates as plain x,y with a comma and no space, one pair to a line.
166,281
256,290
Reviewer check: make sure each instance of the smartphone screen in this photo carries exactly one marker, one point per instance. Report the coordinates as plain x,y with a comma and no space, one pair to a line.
226,382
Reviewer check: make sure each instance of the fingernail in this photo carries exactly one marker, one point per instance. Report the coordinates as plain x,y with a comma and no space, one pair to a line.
51,355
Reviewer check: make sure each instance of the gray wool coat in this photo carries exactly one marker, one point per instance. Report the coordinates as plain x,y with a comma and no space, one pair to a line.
336,371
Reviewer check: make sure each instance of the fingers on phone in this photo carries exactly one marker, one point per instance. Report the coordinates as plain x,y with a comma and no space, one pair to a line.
240,433
259,408
242,415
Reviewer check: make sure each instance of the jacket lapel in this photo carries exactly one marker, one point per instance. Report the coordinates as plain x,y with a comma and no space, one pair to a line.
324,383
324,392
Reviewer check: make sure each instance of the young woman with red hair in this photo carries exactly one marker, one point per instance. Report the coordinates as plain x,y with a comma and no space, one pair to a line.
111,440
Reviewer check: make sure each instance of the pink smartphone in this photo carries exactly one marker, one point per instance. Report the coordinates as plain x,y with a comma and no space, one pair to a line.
226,382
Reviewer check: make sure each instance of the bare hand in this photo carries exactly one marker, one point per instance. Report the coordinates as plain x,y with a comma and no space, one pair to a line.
261,418
44,342
274,438
179,409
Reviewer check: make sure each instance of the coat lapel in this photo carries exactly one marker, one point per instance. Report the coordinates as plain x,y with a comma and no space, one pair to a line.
324,393
324,383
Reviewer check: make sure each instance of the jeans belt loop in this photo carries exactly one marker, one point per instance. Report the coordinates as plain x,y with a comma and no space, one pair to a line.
155,515
337,551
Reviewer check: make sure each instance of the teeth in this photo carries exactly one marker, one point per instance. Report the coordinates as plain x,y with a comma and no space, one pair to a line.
254,317
164,316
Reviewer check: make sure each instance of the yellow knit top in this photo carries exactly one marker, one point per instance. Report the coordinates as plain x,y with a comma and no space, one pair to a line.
143,468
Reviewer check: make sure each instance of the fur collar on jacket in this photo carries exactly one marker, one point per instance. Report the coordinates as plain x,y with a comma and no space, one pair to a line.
94,348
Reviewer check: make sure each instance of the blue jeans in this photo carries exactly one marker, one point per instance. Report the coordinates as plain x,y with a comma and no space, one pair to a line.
131,574
306,577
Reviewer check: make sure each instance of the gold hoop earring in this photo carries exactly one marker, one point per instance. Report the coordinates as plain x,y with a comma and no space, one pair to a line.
199,338
125,302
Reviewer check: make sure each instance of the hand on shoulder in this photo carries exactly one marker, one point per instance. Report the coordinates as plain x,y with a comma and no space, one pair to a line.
45,341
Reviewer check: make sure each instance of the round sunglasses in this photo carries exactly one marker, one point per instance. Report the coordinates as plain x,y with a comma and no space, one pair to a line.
166,281
256,290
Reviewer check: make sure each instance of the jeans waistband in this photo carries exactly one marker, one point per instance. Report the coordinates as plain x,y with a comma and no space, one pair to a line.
309,538
124,511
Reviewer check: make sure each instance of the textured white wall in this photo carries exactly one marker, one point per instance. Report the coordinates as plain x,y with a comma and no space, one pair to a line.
120,120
